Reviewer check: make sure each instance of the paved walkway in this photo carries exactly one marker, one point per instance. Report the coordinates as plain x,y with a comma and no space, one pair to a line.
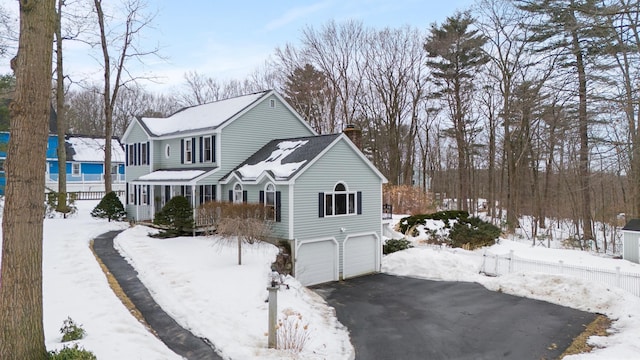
178,339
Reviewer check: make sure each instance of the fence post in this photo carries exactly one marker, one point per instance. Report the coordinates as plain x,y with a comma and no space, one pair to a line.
618,276
510,261
561,266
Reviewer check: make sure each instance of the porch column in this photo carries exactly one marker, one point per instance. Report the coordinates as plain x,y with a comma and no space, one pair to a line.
193,204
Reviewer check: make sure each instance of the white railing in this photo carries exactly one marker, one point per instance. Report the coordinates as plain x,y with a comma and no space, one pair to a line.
87,178
504,264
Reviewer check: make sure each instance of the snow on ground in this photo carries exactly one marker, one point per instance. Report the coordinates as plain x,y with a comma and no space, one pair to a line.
75,286
461,265
197,280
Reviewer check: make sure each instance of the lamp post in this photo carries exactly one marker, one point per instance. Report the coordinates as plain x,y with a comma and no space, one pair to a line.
273,310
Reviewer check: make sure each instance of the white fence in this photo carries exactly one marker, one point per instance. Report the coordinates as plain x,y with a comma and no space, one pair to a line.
500,265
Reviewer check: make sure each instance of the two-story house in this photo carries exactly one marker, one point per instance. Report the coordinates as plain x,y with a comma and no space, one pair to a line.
326,195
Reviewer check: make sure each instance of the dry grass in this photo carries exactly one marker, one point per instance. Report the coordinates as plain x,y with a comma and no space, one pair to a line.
597,327
115,286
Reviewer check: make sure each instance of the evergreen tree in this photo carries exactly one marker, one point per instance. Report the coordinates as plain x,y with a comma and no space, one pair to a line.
177,214
110,207
455,57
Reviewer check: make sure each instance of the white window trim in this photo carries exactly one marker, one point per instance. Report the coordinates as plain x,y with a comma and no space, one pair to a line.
143,153
206,152
273,191
188,144
237,193
347,195
73,169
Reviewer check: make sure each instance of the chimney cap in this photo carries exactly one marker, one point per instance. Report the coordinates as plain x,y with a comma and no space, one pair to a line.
350,126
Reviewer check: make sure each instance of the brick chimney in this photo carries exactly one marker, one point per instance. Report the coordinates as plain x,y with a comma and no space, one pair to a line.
354,134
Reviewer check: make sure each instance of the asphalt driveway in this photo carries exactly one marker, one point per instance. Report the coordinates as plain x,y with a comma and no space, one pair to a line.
391,317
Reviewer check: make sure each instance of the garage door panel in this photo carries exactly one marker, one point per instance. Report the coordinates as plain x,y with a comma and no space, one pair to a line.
316,262
360,255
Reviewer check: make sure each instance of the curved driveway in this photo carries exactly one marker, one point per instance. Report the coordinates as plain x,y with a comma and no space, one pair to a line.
391,317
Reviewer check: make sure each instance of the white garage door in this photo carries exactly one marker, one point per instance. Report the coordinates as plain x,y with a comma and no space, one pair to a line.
360,255
316,262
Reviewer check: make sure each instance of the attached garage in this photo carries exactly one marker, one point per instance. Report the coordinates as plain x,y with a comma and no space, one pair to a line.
316,261
361,255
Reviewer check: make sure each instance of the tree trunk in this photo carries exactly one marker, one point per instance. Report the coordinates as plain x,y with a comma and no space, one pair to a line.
61,122
583,128
108,107
22,334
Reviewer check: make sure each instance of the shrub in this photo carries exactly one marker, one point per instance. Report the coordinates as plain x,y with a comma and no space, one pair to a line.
393,245
110,207
177,215
72,353
71,331
292,333
410,222
472,233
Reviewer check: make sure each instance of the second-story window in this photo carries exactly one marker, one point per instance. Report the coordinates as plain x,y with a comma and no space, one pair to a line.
132,154
207,149
143,154
188,151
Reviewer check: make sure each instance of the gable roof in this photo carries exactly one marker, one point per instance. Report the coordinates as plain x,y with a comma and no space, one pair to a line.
282,159
206,116
632,225
91,149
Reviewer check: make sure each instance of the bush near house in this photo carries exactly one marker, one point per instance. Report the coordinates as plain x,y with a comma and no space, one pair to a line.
393,245
472,233
110,207
177,216
410,222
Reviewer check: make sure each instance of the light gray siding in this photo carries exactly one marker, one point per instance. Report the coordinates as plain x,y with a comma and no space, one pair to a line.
247,134
338,164
631,246
280,229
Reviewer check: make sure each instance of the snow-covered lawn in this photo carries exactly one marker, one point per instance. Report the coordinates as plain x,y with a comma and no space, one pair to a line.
198,281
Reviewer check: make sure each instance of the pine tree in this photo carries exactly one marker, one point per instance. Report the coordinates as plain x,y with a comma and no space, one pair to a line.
110,207
177,214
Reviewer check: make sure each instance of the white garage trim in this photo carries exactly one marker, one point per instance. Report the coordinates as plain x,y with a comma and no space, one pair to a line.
362,254
317,267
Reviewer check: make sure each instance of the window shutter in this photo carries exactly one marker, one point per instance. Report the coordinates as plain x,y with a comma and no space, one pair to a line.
126,154
321,204
213,148
244,196
201,152
135,194
181,151
193,150
201,194
230,195
359,201
278,212
148,194
261,197
148,153
135,152
126,193
139,153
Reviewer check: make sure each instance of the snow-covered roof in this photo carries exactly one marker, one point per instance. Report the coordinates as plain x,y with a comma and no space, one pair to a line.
90,149
198,117
171,175
283,158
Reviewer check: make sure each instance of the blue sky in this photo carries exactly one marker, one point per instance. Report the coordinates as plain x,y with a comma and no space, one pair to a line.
230,39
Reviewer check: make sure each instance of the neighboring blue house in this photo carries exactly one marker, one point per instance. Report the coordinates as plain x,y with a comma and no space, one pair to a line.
84,165
325,195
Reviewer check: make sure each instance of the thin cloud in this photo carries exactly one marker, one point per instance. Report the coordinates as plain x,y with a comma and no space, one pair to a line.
295,14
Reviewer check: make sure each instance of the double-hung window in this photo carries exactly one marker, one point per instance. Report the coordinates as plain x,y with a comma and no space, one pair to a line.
75,169
188,151
143,153
207,149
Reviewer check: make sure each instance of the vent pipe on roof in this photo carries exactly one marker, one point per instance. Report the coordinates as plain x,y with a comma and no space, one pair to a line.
354,134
